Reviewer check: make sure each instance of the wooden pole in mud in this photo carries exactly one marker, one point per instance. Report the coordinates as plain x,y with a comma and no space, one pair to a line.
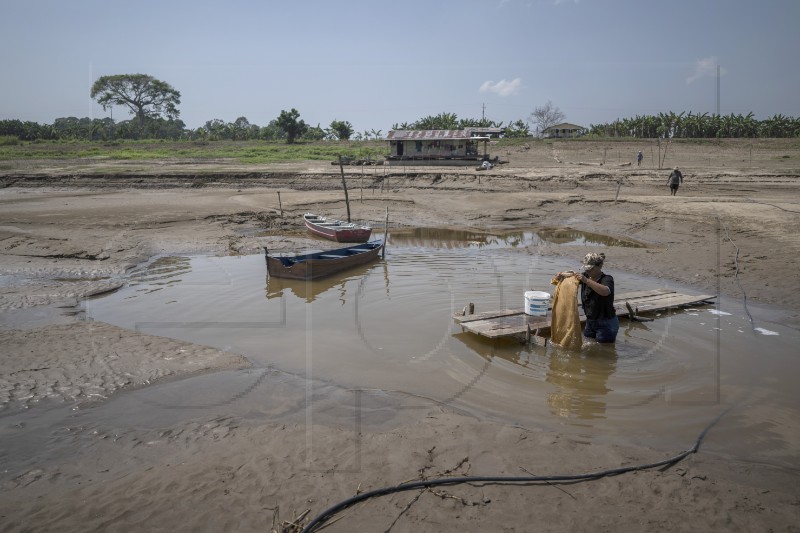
659,153
385,233
280,206
619,184
344,184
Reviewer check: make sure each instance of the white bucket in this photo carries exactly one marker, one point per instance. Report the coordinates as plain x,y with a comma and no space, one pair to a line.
536,303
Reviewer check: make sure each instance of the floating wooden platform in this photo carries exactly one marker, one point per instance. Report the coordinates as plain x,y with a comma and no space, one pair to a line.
513,322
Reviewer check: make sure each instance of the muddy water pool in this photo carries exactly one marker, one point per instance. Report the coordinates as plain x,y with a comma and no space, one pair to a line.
369,347
387,328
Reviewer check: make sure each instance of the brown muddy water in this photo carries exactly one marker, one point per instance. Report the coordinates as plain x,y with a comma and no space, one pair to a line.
332,348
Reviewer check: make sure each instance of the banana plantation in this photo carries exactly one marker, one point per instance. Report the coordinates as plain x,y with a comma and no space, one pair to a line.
700,125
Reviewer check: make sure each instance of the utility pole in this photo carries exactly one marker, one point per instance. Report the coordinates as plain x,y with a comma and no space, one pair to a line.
483,111
719,131
718,89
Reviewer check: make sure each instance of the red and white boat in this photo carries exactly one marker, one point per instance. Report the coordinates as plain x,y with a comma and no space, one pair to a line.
336,230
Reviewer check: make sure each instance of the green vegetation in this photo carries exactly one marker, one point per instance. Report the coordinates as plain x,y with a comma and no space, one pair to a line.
699,126
162,135
342,129
447,121
250,152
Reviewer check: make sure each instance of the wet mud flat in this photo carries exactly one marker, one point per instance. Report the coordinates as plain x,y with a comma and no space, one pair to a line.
263,426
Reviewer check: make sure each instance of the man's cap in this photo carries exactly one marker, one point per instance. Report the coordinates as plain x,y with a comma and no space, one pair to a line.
591,259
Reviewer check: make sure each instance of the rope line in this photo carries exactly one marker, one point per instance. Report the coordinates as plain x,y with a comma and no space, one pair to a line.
329,513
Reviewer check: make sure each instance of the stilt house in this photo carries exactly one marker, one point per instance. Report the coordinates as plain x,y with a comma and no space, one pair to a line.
439,147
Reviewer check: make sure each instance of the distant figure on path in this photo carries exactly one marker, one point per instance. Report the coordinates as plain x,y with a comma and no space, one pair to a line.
675,179
639,158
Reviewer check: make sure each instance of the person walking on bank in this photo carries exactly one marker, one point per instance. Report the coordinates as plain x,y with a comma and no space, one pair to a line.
597,298
674,180
639,158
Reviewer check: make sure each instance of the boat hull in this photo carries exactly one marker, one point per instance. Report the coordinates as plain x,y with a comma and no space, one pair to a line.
336,230
321,264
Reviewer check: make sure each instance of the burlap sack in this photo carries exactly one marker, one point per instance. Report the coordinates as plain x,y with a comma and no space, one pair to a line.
565,325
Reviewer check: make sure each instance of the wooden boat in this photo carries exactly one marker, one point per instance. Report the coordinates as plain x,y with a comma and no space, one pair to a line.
336,230
320,264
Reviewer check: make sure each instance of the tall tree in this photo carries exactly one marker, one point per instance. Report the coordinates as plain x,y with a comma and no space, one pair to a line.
546,116
342,129
215,129
314,133
442,121
290,122
240,129
143,95
517,129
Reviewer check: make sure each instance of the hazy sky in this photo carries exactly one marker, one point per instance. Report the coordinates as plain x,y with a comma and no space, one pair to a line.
378,62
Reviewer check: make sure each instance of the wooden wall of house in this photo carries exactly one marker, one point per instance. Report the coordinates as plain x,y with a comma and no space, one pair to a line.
432,148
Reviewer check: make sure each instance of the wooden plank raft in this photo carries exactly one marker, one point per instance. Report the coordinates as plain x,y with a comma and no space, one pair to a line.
513,322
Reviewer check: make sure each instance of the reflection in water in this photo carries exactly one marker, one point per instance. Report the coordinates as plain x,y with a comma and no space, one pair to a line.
450,238
309,290
581,380
581,377
575,237
633,328
507,348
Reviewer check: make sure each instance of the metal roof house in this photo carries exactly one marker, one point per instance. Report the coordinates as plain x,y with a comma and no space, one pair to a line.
565,130
439,147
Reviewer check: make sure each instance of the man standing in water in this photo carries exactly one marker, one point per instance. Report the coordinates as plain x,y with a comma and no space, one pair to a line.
597,298
674,180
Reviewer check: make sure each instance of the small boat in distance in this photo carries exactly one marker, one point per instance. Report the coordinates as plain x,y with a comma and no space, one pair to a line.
336,230
320,264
